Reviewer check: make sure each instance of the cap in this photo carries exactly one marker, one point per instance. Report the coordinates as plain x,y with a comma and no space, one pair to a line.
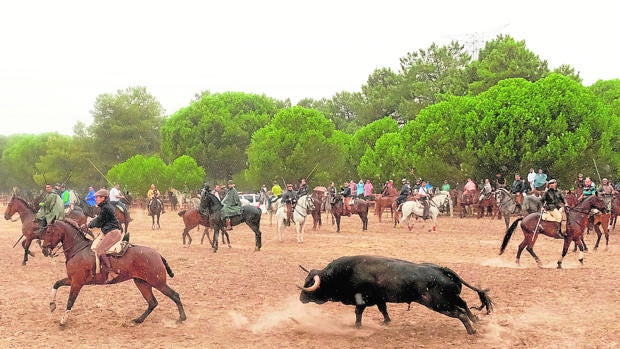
102,192
230,182
552,181
404,180
580,175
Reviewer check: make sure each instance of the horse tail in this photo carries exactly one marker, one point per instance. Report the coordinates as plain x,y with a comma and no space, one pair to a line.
509,235
181,213
168,270
485,300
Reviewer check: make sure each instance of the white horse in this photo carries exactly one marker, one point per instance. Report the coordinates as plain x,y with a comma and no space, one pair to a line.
415,209
443,202
304,206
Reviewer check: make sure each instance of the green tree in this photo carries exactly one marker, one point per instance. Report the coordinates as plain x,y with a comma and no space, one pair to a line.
125,124
216,130
297,142
364,141
185,174
20,157
504,58
138,173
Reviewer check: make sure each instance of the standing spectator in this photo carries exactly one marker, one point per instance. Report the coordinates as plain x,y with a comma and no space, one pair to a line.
360,189
445,186
530,178
368,189
540,180
353,188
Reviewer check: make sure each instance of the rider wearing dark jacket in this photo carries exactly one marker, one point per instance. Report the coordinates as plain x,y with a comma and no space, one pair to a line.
345,191
405,191
110,228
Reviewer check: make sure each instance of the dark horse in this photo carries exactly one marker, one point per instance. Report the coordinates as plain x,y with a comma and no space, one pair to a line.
143,264
576,222
249,214
123,217
155,211
29,227
358,206
192,219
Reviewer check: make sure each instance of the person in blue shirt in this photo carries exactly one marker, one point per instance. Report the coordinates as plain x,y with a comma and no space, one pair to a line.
360,189
90,197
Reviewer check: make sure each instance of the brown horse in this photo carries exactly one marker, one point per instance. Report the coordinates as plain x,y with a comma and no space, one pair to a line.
486,205
143,264
597,222
192,219
29,227
358,206
385,200
317,199
532,225
467,202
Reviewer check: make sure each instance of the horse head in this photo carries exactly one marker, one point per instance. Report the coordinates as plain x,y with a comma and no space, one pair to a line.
308,203
595,201
16,205
51,237
212,203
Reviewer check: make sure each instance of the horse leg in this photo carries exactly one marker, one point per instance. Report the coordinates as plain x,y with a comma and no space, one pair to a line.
214,243
73,293
57,284
186,234
147,293
26,245
337,217
299,227
225,234
205,232
176,298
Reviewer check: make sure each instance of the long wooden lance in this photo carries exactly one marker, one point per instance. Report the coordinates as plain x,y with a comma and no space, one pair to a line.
101,173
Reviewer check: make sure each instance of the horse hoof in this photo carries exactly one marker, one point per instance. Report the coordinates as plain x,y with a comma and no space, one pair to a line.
581,261
52,307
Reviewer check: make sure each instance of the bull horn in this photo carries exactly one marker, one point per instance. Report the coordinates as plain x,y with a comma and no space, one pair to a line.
304,269
315,286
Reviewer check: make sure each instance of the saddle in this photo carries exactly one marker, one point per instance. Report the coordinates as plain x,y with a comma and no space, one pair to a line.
117,250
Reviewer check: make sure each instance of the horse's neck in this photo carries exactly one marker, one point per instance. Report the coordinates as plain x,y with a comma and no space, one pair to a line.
25,212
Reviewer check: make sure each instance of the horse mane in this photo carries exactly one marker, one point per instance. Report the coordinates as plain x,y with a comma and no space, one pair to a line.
214,203
26,203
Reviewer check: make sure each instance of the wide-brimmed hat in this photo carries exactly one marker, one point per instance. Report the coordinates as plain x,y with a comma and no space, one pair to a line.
102,192
552,181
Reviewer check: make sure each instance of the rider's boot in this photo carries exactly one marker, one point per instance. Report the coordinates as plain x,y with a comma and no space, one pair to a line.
560,234
228,224
425,214
105,261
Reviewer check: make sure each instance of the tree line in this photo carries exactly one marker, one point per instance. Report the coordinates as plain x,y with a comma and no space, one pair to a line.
442,116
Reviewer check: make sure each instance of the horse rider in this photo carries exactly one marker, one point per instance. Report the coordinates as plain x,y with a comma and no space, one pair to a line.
153,194
276,192
66,198
290,199
303,188
518,190
110,228
405,191
589,189
116,196
606,190
387,187
423,198
486,191
553,201
231,203
345,191
90,197
579,184
50,208
500,181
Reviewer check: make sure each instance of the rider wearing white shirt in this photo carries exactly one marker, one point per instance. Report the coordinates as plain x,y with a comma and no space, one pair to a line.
116,196
423,198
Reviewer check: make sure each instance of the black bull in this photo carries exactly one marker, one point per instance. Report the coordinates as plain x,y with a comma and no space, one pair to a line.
367,280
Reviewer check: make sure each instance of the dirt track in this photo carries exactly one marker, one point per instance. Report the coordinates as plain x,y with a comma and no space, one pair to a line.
238,298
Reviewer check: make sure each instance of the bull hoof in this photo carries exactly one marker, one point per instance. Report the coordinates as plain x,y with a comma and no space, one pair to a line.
559,265
581,261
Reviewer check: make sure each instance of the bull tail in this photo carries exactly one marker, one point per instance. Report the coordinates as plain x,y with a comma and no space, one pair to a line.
168,270
508,235
181,213
485,300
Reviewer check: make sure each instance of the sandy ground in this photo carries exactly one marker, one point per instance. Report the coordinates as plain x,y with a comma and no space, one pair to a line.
238,298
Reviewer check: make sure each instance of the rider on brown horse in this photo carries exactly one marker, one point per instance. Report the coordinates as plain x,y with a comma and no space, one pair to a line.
110,228
553,201
51,208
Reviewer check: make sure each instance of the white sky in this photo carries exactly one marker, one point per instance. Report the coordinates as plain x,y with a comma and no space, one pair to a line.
58,56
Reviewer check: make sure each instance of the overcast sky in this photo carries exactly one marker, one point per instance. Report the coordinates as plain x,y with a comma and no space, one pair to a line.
58,56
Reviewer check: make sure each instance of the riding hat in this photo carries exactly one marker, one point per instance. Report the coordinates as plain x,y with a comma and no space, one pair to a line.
404,180
102,192
552,181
